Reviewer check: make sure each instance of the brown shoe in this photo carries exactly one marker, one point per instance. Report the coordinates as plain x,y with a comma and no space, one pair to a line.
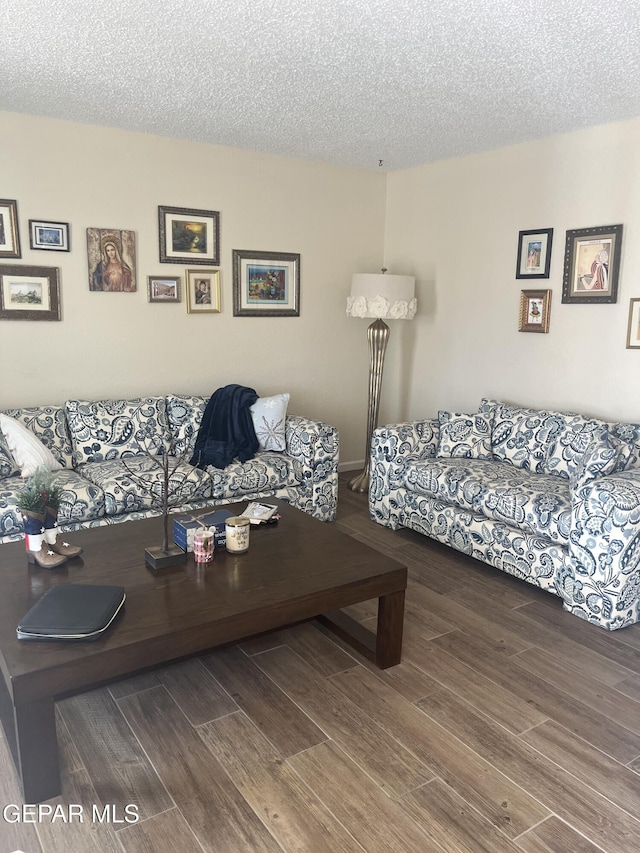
53,538
45,557
64,548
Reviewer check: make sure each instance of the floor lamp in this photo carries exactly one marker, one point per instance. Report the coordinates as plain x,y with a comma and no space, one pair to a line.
390,297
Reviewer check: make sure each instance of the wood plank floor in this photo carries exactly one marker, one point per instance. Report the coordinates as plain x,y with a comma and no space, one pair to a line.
510,726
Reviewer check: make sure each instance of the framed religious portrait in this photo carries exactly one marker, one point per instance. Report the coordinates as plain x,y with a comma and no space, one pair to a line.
535,306
534,253
203,291
49,236
29,293
9,233
111,255
266,284
189,236
592,264
163,288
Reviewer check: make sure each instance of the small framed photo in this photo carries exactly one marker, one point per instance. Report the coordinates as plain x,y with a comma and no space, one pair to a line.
203,291
163,288
633,331
266,284
592,264
535,306
29,293
189,236
49,236
9,234
534,253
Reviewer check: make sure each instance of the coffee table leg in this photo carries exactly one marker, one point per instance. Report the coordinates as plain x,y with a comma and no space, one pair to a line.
390,626
37,750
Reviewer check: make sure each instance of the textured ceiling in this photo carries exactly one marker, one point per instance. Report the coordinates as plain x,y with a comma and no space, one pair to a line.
350,82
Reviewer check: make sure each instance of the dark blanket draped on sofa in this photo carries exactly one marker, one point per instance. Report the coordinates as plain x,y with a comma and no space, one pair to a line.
226,432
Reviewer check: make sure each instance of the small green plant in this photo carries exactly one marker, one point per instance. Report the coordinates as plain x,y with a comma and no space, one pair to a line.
39,492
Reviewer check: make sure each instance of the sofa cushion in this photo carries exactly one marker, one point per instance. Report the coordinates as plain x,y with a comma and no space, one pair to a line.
521,436
265,473
606,455
26,448
134,483
566,449
49,424
106,430
537,504
80,501
185,416
269,415
467,436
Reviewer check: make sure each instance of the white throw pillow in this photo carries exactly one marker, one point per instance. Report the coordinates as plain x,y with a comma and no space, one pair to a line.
26,448
269,415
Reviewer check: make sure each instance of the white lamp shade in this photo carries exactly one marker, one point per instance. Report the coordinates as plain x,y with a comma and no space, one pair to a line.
390,297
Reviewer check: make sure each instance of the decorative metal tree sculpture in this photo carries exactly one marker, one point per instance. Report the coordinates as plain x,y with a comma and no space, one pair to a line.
162,491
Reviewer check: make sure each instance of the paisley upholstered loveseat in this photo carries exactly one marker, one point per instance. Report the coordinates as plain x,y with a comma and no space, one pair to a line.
103,449
550,497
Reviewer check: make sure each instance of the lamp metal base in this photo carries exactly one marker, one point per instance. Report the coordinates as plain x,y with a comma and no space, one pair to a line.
359,483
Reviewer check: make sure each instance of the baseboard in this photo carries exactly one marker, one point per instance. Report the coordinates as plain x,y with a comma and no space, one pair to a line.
351,466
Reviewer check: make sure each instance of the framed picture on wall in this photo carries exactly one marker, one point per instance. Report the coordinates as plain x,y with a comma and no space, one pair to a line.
534,253
633,330
203,291
49,236
266,284
535,306
189,236
29,293
9,234
163,288
592,264
112,260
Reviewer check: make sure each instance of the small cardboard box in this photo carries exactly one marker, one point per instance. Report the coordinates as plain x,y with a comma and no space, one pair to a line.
185,527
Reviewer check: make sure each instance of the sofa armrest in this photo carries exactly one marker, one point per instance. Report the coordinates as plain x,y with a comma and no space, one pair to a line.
392,446
315,446
604,546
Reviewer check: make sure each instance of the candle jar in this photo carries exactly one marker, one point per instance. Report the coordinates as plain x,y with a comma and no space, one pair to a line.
203,546
237,534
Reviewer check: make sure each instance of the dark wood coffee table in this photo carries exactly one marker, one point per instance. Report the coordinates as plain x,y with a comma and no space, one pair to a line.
299,569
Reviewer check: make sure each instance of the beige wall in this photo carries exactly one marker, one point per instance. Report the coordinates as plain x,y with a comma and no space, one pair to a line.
455,224
117,344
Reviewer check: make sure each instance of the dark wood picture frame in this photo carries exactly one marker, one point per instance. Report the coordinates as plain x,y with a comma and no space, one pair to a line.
534,253
36,287
266,284
592,264
9,231
189,236
49,236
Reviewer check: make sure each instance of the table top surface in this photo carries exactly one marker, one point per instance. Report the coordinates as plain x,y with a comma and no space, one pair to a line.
292,564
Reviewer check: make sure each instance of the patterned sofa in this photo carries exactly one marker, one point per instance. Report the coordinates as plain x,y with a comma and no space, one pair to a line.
104,446
550,497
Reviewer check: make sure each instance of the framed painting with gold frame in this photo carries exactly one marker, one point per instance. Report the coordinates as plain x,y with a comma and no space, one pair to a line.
535,306
203,291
